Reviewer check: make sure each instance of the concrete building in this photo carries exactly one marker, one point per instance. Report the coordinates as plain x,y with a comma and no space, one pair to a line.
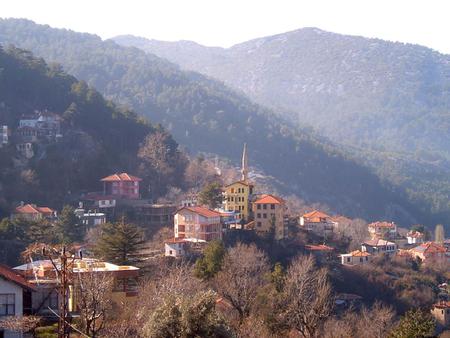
270,210
15,298
414,237
441,312
430,252
197,223
382,230
31,212
122,186
356,258
379,247
175,247
318,222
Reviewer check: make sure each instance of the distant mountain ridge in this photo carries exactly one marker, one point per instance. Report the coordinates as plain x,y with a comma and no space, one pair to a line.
386,103
204,115
354,90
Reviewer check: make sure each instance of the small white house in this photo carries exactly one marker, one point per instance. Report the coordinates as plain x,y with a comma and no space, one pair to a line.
356,258
175,247
379,247
15,298
414,237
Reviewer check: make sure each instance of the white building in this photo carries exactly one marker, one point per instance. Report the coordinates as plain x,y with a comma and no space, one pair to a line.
3,136
318,222
175,247
356,258
15,298
414,237
379,247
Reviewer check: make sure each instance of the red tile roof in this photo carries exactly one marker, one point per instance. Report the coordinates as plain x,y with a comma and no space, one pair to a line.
429,248
414,234
442,305
9,274
382,225
33,209
202,211
320,247
120,177
269,199
358,253
174,240
316,214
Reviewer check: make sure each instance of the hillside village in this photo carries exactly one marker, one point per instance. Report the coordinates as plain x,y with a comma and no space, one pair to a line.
230,213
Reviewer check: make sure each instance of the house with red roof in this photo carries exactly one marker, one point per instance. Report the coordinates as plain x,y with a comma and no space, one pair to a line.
318,222
122,185
197,224
31,212
430,252
356,257
382,230
15,297
441,313
270,211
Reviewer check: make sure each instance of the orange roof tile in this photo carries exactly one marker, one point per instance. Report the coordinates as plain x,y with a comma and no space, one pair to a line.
316,214
358,253
45,210
442,305
429,248
269,199
202,211
414,234
382,224
320,247
11,275
120,177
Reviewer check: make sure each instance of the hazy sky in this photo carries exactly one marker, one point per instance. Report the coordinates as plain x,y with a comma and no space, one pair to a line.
226,22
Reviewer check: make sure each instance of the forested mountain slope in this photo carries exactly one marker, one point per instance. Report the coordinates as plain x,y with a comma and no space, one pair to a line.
206,116
386,103
97,137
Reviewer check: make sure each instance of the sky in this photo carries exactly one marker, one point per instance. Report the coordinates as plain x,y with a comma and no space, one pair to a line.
227,22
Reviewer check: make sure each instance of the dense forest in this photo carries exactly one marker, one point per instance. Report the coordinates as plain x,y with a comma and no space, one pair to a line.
98,137
386,103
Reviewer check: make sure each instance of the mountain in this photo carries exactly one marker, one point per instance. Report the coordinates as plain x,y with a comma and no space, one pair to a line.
206,116
390,96
98,138
387,104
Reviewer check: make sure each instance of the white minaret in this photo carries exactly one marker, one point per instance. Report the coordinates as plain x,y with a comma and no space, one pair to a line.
244,170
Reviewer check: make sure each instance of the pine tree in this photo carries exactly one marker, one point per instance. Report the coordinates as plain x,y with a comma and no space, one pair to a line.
211,195
118,241
210,264
69,226
414,324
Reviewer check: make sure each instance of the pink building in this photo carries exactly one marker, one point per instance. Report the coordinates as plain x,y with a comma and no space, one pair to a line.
122,186
197,223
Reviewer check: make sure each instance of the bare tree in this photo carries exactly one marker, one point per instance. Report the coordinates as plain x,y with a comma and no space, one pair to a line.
93,293
242,274
307,299
355,230
20,324
375,322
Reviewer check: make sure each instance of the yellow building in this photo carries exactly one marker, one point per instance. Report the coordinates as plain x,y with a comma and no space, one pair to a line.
238,198
270,210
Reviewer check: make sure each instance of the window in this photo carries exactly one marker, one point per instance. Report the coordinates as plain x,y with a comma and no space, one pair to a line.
367,258
258,224
258,215
272,206
7,304
348,259
258,206
264,215
360,259
170,252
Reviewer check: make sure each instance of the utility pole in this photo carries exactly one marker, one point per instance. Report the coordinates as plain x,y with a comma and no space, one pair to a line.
64,273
